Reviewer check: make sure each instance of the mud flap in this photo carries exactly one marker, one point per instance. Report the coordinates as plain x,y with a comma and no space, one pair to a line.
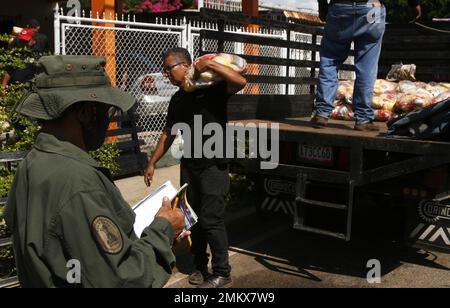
276,195
428,225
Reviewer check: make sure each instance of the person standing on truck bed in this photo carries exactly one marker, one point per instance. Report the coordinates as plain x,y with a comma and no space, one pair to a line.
362,22
416,9
207,178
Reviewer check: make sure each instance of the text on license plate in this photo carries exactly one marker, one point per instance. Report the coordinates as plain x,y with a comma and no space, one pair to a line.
322,154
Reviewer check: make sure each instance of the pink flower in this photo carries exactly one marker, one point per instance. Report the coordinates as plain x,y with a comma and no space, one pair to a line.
139,6
156,7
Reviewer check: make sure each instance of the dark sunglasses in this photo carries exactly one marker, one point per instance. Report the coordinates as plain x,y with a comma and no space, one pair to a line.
167,69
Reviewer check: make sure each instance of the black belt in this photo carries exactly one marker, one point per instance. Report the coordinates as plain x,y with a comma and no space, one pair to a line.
355,1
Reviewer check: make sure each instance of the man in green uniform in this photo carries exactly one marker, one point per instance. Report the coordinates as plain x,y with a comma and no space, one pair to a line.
64,212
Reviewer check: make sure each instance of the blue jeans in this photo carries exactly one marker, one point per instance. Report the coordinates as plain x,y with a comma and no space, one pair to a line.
364,25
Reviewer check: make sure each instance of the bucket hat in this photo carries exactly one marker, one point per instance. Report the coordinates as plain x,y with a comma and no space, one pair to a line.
66,80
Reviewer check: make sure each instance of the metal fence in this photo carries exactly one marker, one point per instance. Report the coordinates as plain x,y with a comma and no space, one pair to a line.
133,52
249,49
224,5
8,161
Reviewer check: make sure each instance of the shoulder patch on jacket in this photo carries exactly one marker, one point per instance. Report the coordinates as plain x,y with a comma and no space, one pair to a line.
107,234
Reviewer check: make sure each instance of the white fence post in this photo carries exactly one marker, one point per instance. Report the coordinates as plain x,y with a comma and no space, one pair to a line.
284,55
138,57
238,46
57,26
291,73
186,36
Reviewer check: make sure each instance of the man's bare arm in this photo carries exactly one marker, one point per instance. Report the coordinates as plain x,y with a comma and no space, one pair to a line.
164,143
5,80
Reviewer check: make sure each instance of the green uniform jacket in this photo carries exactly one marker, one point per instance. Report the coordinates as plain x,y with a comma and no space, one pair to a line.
63,207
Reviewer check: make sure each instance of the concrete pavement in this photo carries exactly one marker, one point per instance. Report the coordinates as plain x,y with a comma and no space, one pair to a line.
133,189
265,252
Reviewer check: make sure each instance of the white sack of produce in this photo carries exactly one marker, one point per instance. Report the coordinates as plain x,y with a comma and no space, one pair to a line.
405,86
435,89
343,112
410,102
445,84
384,101
395,98
345,91
384,86
383,115
441,97
196,80
421,84
419,92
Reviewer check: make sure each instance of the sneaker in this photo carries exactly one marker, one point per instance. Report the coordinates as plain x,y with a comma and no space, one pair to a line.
367,127
318,122
216,281
198,277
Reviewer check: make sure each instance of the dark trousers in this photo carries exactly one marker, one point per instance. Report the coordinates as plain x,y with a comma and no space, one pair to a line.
206,195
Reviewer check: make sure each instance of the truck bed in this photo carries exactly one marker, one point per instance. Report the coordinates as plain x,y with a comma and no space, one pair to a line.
341,133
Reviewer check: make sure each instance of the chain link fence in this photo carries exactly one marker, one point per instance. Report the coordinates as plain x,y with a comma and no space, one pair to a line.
134,64
224,5
134,59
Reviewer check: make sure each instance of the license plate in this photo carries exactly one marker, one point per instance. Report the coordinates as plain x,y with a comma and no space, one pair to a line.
316,153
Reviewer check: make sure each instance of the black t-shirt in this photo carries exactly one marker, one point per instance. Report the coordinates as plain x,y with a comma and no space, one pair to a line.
325,2
211,105
42,44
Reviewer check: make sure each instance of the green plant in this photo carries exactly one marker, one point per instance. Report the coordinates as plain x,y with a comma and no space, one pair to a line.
21,130
5,183
12,56
105,156
7,263
16,133
6,254
7,266
85,4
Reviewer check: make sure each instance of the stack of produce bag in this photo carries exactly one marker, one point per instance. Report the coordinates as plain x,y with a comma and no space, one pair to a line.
197,80
384,87
391,99
345,91
343,112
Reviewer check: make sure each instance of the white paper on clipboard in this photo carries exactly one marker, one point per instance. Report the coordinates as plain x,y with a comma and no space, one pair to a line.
147,208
